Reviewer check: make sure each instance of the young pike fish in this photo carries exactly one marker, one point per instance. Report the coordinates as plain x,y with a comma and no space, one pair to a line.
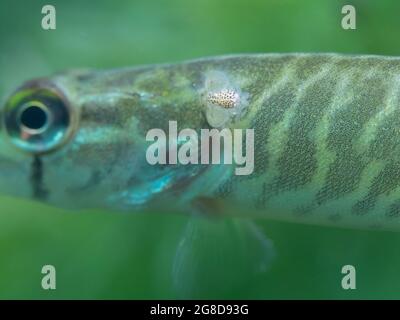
326,145
326,138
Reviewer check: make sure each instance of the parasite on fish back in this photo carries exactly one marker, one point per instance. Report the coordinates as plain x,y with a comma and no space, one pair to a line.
225,98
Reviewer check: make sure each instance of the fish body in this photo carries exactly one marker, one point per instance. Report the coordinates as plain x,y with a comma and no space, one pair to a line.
326,138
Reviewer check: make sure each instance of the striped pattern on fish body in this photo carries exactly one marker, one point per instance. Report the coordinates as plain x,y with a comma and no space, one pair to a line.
327,141
326,136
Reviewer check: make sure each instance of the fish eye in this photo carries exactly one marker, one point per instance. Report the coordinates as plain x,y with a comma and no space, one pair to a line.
34,117
37,120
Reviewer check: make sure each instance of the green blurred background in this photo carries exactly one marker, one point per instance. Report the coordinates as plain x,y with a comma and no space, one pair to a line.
108,255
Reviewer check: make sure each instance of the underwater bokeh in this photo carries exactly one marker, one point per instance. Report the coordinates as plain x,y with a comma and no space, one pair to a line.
99,254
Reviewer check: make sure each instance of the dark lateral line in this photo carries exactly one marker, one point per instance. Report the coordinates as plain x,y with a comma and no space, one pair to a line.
38,191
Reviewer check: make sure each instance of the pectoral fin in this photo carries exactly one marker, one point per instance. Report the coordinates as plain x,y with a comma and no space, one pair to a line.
218,256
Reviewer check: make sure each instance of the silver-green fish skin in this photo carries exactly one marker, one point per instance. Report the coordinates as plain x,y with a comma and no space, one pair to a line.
327,139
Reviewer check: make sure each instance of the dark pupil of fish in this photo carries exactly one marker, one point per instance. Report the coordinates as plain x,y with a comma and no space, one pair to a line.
34,118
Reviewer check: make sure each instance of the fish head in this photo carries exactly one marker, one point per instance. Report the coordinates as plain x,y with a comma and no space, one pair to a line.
78,139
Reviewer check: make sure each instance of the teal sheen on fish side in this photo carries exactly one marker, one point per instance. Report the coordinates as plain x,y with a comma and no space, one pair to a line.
326,138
